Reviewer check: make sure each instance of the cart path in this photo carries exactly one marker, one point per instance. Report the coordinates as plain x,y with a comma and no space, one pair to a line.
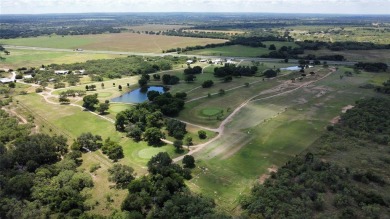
221,128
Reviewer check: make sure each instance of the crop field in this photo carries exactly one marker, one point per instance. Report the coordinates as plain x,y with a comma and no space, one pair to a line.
126,42
239,50
265,134
34,58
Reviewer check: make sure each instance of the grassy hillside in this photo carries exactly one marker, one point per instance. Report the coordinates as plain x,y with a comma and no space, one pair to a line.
344,174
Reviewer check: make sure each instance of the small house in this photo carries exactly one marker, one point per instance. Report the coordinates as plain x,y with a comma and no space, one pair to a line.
61,72
6,80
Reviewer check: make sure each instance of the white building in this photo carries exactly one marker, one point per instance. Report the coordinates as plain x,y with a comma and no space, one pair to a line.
61,72
6,80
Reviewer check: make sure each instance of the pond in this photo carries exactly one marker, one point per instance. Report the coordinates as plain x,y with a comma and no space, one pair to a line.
291,68
136,96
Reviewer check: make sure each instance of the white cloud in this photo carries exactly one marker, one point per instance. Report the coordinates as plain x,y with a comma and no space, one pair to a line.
308,6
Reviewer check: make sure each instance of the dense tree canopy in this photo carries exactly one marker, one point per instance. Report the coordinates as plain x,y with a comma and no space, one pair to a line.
163,193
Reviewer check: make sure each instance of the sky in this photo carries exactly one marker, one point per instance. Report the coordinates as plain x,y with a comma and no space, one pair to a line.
269,6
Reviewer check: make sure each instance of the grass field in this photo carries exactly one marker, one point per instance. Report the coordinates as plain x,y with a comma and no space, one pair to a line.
34,58
335,34
127,42
265,134
382,55
239,50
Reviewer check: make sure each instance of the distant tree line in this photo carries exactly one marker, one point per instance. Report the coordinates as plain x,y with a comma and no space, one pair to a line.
372,67
339,46
233,70
24,32
252,41
116,68
385,88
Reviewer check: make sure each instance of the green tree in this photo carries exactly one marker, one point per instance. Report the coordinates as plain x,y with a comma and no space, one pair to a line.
112,149
89,142
153,136
103,107
63,99
90,101
120,121
188,140
152,94
122,175
178,144
188,161
202,134
176,128
207,83
272,47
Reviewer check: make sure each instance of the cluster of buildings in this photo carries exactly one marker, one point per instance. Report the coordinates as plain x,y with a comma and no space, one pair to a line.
214,61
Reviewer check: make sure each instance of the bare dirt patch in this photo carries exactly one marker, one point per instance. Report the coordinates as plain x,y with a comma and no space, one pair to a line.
344,110
265,176
335,120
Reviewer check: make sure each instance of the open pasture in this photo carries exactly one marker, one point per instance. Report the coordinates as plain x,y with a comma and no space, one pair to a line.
126,42
377,55
374,34
267,133
35,58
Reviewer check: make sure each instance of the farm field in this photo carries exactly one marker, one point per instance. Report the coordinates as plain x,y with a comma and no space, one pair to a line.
267,133
34,58
126,42
239,50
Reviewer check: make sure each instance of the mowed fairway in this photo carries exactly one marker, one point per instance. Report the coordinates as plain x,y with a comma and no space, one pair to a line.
126,42
267,133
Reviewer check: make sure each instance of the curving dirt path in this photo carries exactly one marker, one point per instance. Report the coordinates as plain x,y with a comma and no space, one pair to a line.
221,127
220,130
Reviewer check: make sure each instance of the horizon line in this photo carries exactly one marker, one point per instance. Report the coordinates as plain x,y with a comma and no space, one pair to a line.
194,12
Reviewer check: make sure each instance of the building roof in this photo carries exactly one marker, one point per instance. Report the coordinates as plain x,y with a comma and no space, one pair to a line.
61,72
6,80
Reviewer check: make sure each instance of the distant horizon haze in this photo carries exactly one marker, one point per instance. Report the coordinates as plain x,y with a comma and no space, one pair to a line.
353,7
